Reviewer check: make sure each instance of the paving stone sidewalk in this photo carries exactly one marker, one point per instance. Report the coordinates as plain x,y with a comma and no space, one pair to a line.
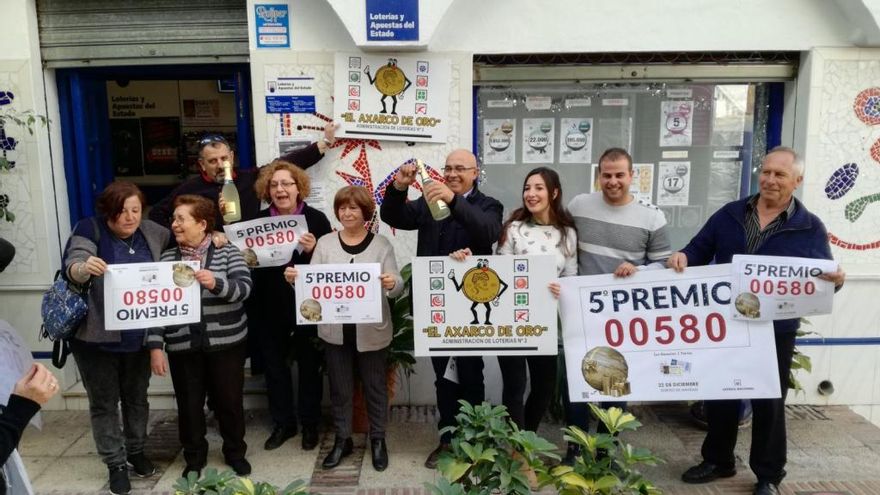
831,449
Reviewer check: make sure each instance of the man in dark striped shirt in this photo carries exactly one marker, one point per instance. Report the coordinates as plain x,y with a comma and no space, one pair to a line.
773,223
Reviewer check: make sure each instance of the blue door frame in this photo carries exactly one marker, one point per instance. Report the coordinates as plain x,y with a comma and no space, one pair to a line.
85,122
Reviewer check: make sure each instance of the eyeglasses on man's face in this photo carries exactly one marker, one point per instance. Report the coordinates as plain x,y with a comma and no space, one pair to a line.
457,169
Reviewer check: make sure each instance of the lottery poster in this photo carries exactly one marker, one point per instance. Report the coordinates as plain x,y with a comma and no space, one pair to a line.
268,241
642,186
675,184
768,288
663,336
538,140
675,123
142,295
576,138
499,141
484,306
338,293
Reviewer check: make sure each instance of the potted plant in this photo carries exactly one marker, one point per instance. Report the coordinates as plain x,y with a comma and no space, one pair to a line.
228,483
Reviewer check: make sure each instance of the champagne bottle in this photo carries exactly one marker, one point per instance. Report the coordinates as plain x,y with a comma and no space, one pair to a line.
232,203
439,209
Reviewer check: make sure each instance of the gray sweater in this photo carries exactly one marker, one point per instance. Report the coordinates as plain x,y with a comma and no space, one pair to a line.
223,322
370,336
81,245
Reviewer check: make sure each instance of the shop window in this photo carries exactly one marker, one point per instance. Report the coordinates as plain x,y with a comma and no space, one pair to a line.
694,146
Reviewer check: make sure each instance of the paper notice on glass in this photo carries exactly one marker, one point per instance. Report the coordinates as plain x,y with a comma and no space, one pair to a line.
767,288
675,183
642,186
338,293
662,336
499,141
675,123
576,140
538,140
724,184
269,241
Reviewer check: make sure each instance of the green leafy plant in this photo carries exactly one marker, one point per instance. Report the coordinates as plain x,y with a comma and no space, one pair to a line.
28,120
227,482
799,360
400,352
606,464
489,454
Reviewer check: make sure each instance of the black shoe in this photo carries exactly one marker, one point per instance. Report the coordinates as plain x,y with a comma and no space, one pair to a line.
434,456
310,437
280,434
571,454
241,466
191,469
705,472
379,453
342,447
119,483
766,488
141,465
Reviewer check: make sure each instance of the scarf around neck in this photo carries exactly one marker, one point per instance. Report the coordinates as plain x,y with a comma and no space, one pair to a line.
196,253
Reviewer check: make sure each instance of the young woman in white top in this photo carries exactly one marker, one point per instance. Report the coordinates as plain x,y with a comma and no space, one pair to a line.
541,226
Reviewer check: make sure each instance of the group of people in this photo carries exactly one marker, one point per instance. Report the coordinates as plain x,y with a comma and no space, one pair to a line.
250,311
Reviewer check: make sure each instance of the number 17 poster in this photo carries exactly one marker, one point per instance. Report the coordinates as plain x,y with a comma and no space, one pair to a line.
660,335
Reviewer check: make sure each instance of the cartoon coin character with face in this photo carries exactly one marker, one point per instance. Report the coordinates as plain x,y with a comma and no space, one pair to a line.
389,80
480,284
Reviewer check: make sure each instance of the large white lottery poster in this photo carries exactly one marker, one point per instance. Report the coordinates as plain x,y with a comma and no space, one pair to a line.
338,293
768,288
576,140
676,118
398,98
675,184
141,295
661,335
538,140
484,306
268,241
499,141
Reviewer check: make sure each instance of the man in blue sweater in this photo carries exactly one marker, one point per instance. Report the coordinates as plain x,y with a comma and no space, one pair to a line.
772,223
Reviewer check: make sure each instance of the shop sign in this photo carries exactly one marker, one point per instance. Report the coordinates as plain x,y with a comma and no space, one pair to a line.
392,20
272,23
290,95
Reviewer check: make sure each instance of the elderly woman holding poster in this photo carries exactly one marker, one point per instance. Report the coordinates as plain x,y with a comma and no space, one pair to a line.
271,309
361,345
206,358
114,365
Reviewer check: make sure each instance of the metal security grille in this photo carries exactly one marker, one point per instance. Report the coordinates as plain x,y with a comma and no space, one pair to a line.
80,33
655,67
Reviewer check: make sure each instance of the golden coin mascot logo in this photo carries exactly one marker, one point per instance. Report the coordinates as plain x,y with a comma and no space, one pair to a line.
480,284
389,80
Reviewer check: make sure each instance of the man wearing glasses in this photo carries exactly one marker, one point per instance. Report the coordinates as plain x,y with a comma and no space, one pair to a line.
475,223
213,151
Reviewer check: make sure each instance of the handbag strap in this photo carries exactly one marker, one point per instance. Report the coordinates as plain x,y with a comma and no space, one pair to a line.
60,351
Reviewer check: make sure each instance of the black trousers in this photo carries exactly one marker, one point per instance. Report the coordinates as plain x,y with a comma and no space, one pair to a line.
542,372
469,387
342,361
218,375
277,347
768,452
